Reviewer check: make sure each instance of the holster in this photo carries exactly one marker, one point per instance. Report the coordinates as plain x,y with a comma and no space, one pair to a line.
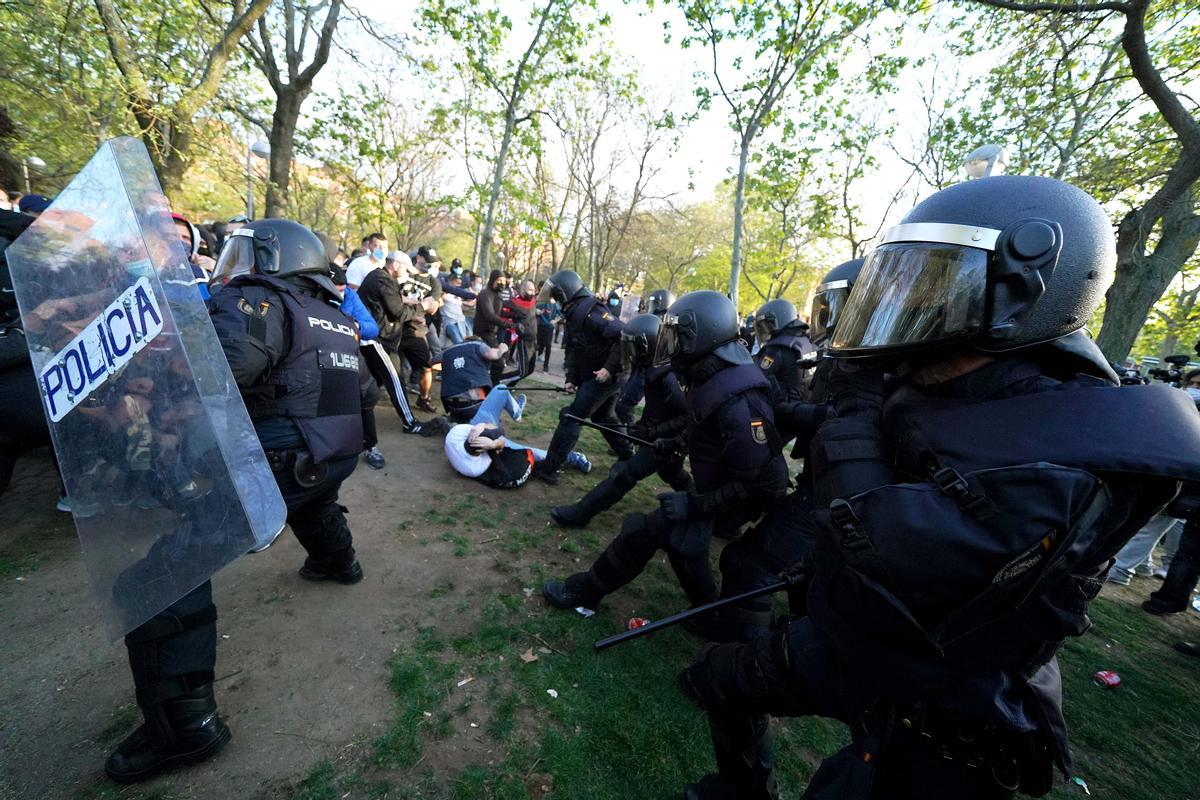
306,473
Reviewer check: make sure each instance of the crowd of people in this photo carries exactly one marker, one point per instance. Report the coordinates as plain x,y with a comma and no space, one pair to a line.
972,472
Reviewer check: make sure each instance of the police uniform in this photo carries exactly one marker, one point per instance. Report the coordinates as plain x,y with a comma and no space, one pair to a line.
780,360
295,358
594,333
738,468
964,524
664,417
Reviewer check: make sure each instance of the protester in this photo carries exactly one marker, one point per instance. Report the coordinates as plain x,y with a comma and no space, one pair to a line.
480,450
34,204
548,314
489,319
374,254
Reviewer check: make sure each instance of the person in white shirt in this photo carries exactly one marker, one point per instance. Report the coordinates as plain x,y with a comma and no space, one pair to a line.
376,246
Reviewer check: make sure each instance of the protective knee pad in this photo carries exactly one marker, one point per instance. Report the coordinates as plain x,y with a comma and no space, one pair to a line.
325,534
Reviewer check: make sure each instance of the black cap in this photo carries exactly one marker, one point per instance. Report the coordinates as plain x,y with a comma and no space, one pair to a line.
429,254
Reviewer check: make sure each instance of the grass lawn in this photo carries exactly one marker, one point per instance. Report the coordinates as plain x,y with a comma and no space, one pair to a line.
565,722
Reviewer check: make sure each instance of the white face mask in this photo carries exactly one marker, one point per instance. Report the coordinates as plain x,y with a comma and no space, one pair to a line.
477,287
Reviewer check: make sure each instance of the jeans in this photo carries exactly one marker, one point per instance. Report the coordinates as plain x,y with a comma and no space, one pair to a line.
1140,549
454,331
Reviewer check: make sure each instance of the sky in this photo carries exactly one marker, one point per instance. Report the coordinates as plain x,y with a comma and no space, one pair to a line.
706,152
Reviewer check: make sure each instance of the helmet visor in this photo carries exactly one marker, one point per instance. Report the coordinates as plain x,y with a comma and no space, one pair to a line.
764,329
246,252
827,305
911,294
635,352
669,341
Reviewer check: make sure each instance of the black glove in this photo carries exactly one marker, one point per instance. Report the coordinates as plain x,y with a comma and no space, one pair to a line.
713,673
678,506
668,449
642,430
857,391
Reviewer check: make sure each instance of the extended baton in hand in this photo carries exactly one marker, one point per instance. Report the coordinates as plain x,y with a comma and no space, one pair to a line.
606,429
787,580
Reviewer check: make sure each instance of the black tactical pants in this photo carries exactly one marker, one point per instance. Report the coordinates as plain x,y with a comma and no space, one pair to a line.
625,475
175,651
777,542
633,389
595,401
685,543
791,672
1182,575
315,516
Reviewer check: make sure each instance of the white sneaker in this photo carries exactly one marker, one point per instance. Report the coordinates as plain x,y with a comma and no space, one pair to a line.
64,504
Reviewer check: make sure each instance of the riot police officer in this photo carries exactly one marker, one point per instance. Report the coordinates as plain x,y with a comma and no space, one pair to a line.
633,389
593,363
295,358
734,452
665,417
783,347
967,519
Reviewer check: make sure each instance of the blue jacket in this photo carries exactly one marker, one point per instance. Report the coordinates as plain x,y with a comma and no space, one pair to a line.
353,308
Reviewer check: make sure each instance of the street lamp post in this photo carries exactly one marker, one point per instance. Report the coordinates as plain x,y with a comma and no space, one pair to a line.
983,162
262,150
26,163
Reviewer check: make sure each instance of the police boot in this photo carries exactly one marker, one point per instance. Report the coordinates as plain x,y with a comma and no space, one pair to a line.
185,729
327,538
603,495
710,787
576,591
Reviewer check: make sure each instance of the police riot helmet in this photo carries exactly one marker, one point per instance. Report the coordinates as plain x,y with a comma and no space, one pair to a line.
829,299
1000,263
639,340
277,247
658,301
565,286
775,316
697,324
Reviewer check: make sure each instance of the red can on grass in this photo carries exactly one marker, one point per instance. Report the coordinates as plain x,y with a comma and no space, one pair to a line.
1106,679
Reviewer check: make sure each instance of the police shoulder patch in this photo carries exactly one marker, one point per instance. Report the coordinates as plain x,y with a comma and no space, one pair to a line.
765,362
758,430
245,307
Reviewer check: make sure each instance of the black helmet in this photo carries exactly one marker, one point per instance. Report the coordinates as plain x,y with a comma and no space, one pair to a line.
830,298
331,249
658,301
639,340
278,247
697,324
565,286
774,316
1002,263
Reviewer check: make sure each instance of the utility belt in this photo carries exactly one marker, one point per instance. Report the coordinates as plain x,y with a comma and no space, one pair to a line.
1015,761
304,470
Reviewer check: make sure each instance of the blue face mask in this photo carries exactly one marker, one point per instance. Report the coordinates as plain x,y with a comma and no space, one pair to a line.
614,302
457,270
378,253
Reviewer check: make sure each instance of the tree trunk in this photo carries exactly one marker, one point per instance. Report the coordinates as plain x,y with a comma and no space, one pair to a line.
489,221
283,144
739,210
169,155
1142,279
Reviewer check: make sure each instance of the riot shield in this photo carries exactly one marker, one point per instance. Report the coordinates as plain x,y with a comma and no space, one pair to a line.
629,307
164,473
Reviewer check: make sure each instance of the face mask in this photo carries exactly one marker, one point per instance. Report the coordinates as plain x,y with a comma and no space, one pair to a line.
477,286
527,295
378,253
457,270
431,269
614,302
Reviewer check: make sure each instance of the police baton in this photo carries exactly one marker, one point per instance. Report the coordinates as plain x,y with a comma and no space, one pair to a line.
509,386
606,429
787,580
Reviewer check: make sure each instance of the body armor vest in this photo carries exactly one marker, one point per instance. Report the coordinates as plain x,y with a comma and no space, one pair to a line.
706,439
316,383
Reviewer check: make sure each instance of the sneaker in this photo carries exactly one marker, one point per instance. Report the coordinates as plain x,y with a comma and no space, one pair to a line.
1160,573
1117,580
520,408
416,427
1143,571
375,459
579,461
64,504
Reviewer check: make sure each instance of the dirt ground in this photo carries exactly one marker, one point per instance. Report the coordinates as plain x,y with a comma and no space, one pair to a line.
302,668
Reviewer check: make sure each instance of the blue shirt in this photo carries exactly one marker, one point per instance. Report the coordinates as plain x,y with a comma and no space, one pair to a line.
353,307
